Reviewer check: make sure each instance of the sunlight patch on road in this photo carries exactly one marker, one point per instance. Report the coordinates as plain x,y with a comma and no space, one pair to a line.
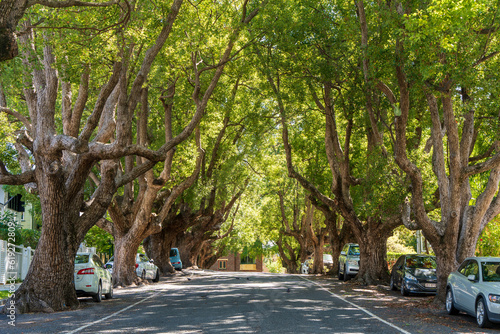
357,306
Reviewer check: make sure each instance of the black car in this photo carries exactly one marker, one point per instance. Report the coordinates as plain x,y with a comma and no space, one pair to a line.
414,273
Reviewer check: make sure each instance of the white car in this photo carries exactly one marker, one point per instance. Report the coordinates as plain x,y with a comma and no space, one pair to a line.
91,279
475,289
145,268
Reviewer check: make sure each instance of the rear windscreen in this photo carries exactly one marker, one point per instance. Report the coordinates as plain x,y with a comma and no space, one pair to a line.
173,252
81,259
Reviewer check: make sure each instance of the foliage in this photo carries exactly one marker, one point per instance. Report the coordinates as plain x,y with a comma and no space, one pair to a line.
489,240
100,239
273,264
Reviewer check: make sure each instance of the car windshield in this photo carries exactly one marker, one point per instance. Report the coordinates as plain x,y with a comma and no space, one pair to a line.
425,262
491,271
354,250
81,259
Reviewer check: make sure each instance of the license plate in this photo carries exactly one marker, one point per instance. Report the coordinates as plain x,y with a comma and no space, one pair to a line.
430,285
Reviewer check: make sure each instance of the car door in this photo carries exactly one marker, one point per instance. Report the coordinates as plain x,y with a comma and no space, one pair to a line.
399,270
149,267
459,284
102,273
470,289
342,258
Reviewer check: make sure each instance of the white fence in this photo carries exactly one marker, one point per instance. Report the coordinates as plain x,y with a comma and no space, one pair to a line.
19,263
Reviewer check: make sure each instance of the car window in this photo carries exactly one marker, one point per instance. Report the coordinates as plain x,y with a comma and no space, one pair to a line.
81,259
462,267
97,261
354,250
425,262
173,252
491,271
346,247
399,262
472,269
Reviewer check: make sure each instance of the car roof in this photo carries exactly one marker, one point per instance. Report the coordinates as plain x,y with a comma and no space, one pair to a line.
483,258
420,255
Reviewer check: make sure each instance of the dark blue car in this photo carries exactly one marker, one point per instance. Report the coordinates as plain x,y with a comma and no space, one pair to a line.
414,273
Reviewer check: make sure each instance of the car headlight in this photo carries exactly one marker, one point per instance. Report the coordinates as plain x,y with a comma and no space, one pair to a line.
410,276
353,262
494,299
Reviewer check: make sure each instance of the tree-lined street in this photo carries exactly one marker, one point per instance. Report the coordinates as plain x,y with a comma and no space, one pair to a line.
276,131
211,302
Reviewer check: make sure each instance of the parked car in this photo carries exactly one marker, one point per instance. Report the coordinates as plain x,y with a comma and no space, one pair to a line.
328,261
414,273
175,258
349,261
145,268
91,279
109,265
475,289
306,266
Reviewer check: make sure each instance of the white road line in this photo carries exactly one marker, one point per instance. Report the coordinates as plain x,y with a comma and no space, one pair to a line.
111,315
357,306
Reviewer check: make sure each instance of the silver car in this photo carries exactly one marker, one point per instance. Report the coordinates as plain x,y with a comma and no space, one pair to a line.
349,261
475,289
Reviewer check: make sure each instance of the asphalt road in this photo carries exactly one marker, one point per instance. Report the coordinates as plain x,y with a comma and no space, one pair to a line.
207,302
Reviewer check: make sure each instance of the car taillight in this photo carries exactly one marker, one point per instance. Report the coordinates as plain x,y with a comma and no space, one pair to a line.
86,271
136,265
175,262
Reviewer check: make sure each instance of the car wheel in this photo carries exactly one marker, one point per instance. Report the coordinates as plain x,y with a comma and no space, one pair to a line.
143,275
109,295
157,276
482,314
450,304
98,296
393,285
345,276
341,276
404,292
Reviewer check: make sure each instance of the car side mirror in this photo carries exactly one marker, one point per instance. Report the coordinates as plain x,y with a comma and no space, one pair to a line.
342,253
471,278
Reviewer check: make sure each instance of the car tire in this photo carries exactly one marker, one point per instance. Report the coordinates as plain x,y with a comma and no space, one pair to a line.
393,284
450,304
98,296
404,292
157,276
345,276
341,276
109,295
482,314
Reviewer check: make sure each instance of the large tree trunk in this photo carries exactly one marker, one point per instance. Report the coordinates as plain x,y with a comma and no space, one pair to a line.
373,257
49,285
124,273
157,247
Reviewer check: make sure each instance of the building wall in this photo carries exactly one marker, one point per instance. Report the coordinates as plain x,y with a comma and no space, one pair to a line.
24,218
233,263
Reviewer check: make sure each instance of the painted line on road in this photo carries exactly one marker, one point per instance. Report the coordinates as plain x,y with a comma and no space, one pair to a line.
357,306
111,315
